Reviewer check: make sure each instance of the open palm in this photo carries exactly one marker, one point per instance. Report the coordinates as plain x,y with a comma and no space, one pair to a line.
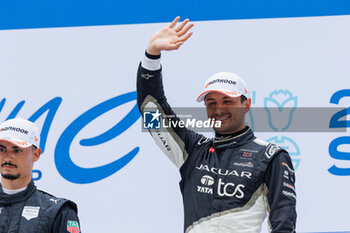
170,37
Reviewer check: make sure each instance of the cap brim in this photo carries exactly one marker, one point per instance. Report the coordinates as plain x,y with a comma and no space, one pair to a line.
17,142
202,96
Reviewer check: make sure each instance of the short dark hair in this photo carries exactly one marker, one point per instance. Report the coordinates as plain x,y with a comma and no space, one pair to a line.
34,147
243,98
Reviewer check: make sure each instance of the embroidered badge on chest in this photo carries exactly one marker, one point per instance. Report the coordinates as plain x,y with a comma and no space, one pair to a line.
30,212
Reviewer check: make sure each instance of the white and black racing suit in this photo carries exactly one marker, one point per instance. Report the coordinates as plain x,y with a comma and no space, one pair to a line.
35,211
229,183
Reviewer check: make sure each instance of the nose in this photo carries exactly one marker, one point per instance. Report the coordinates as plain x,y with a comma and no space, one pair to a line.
219,108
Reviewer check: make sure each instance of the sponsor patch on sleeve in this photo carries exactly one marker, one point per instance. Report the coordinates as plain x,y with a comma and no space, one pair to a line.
73,226
271,150
289,194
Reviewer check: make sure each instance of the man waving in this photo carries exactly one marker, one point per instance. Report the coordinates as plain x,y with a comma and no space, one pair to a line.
229,183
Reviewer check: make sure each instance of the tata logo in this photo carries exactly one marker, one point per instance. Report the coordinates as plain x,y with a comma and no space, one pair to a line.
207,181
62,155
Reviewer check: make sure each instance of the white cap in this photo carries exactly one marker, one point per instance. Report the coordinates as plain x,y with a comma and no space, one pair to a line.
226,83
22,133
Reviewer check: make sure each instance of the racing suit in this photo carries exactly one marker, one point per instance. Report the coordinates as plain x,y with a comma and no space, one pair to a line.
35,211
228,183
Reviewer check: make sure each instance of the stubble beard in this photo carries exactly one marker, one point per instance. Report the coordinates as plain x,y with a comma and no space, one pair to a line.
10,176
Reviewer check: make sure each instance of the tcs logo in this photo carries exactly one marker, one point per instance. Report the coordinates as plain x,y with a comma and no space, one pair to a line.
230,189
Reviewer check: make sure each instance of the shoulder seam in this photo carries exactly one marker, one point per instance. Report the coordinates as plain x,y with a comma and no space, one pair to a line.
260,142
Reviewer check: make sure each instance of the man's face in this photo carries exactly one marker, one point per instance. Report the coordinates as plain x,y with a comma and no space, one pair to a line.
230,111
17,163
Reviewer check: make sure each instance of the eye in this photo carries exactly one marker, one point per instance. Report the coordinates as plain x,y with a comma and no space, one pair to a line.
2,149
17,150
210,103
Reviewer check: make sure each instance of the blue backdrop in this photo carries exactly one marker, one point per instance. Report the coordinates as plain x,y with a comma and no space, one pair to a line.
21,14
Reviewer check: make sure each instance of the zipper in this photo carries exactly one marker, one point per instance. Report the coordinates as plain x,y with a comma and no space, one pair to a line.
9,222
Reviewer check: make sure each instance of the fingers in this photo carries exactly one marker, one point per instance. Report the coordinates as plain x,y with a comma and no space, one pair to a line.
180,27
181,31
185,30
177,45
172,24
184,38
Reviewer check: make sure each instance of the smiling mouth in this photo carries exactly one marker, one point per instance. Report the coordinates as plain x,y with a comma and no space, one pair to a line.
222,118
8,166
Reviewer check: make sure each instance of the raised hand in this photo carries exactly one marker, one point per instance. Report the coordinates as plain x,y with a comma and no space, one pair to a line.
170,37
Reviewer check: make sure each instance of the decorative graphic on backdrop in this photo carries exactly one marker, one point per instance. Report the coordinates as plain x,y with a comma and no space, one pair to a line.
280,106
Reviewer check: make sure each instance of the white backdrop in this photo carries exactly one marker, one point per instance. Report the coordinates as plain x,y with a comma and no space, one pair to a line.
307,58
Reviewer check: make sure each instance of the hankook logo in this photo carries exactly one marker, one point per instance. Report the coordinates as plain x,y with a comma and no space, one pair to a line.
219,80
16,129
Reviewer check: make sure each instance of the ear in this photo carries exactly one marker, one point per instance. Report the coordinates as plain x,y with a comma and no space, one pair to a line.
246,105
37,153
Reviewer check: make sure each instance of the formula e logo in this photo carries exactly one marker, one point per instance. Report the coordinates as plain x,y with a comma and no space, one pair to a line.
152,120
207,181
230,189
